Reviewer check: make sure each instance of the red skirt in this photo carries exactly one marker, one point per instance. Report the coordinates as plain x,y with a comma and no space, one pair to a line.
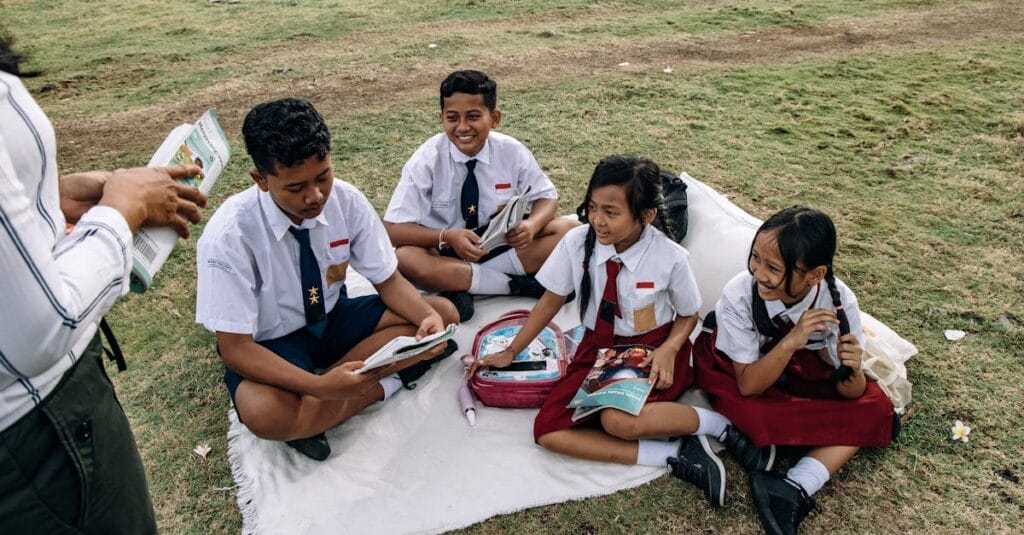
553,415
784,419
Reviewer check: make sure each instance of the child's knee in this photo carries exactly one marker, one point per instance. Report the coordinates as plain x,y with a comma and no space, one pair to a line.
446,309
621,425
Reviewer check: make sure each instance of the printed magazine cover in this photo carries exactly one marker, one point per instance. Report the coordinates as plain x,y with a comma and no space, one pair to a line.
617,380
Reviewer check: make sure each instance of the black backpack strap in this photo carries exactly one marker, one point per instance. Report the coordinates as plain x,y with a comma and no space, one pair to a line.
114,353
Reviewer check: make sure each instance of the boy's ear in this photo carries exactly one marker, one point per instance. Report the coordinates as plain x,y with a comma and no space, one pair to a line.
648,215
259,179
495,118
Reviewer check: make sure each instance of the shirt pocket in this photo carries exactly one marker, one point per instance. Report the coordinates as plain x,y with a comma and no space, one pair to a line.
640,305
338,255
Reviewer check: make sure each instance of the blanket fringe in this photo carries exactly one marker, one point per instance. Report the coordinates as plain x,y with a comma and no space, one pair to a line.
246,493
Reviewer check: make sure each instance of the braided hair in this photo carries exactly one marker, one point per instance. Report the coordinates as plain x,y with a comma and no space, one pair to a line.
806,239
640,178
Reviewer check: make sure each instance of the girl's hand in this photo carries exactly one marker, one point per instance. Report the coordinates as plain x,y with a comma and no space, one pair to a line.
464,243
850,353
663,368
500,359
812,321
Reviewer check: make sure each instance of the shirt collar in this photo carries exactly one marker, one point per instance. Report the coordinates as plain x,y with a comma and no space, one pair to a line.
632,257
794,312
279,222
483,156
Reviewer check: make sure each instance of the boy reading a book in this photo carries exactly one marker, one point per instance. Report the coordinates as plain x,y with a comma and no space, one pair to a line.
450,189
271,285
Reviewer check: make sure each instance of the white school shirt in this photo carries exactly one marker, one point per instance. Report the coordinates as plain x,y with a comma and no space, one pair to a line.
430,190
248,263
738,336
54,286
656,276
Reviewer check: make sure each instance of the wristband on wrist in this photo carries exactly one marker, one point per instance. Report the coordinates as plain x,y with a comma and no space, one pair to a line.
441,244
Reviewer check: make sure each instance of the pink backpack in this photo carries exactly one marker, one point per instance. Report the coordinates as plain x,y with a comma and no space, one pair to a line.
533,373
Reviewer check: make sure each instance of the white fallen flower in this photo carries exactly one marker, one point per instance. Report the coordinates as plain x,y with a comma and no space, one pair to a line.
624,64
202,450
960,431
432,45
954,334
667,70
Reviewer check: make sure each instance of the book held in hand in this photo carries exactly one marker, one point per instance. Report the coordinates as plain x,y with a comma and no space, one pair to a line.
505,220
403,347
203,144
618,380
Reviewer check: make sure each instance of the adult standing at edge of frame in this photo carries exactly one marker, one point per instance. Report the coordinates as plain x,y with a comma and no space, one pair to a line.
68,460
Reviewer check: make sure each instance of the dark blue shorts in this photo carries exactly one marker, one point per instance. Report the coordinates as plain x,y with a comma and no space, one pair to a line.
348,323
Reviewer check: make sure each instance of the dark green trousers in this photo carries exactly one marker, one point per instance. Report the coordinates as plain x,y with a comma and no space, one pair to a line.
71,464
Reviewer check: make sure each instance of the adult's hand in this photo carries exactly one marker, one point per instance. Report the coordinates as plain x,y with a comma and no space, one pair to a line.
80,192
153,196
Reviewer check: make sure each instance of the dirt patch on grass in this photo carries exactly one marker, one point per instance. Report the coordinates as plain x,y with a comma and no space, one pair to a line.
338,94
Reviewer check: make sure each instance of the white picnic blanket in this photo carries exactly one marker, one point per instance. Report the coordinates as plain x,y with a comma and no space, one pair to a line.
413,465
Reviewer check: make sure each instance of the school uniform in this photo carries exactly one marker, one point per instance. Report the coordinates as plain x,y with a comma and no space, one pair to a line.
654,284
250,278
430,190
804,409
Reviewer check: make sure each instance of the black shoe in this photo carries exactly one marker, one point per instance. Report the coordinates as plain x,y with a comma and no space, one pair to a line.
463,302
746,453
781,503
524,286
414,372
699,465
315,447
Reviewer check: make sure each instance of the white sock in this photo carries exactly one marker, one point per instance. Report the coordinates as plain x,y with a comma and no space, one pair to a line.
656,452
710,423
487,281
507,262
390,384
810,474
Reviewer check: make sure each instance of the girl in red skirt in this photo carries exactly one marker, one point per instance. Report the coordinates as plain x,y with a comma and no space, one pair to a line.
646,295
781,359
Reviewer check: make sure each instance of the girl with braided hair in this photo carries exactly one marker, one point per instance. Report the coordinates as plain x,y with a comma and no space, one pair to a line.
636,286
781,358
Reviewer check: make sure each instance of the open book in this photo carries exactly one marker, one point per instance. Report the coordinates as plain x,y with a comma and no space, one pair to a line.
504,221
615,381
203,144
403,347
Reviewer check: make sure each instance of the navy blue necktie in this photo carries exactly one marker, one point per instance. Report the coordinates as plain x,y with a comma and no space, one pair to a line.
312,292
470,197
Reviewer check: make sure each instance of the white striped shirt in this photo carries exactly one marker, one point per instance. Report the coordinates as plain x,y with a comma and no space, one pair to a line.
54,286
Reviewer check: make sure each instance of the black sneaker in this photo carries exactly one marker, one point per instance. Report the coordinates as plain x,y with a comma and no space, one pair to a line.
463,302
746,453
524,286
414,372
699,465
315,447
781,503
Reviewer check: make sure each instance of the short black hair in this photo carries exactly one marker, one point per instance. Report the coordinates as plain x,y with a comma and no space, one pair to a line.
9,59
473,83
284,132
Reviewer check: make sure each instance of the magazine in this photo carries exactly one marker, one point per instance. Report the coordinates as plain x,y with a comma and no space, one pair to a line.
505,220
403,347
203,144
616,381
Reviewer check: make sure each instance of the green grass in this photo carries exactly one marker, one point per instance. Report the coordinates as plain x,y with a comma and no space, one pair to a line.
907,129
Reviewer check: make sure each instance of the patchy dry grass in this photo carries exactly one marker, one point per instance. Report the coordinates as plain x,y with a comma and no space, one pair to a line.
901,119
